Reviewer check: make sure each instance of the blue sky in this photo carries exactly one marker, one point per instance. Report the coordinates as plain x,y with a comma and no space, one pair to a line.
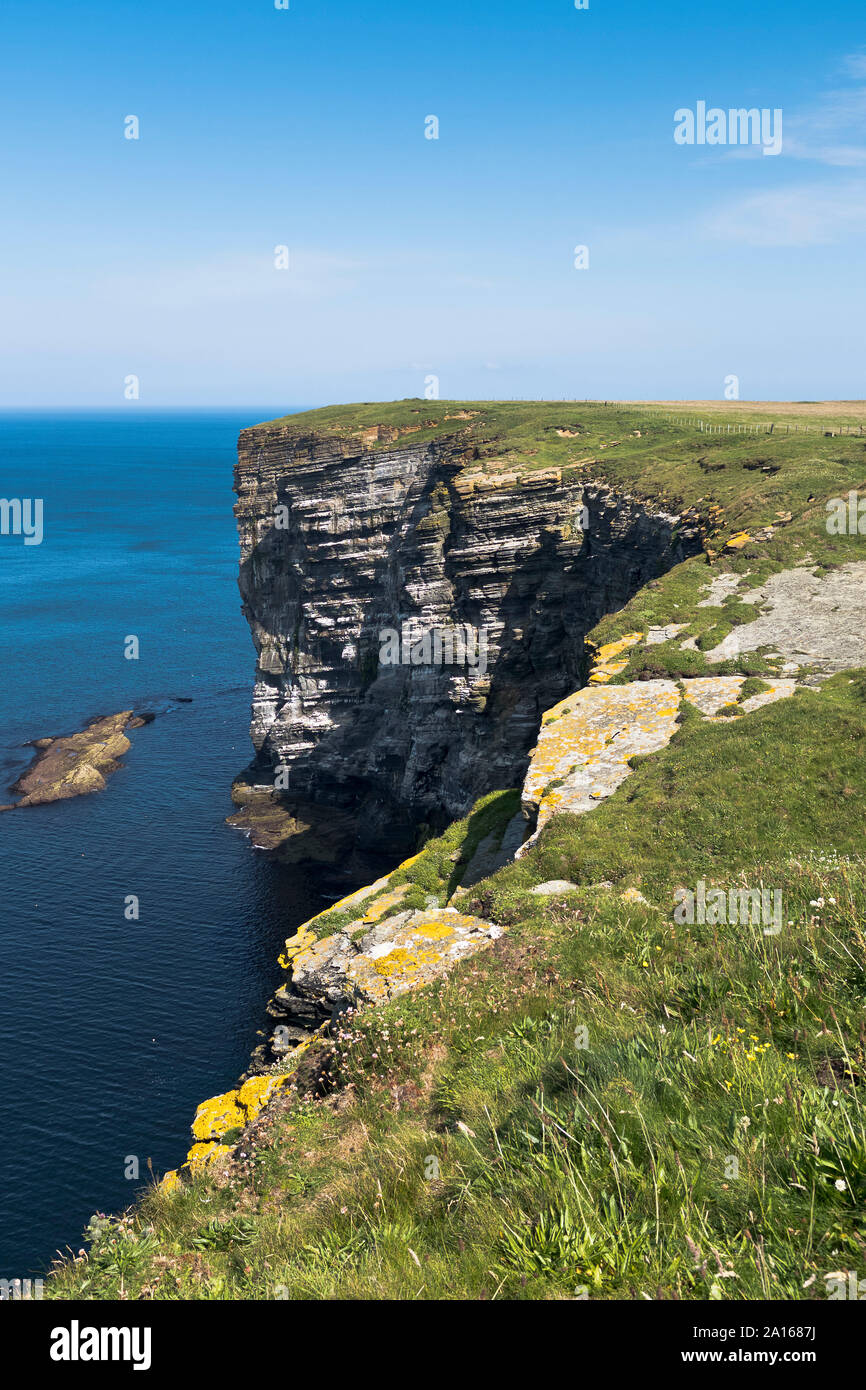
412,257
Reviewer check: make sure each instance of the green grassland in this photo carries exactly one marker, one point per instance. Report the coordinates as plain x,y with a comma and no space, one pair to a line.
639,449
607,1103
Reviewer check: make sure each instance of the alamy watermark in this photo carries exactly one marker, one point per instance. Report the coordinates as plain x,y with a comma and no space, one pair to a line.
736,126
757,907
16,1289
846,516
843,1284
77,1343
461,645
22,516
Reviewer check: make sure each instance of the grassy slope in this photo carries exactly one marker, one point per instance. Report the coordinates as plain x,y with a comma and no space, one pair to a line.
708,1141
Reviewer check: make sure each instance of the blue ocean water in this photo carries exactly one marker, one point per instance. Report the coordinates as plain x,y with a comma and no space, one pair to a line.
112,1031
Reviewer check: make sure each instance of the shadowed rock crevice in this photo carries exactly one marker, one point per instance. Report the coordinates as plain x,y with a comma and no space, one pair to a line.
337,546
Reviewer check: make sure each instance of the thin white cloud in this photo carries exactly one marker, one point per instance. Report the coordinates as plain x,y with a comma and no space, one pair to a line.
833,130
854,64
803,215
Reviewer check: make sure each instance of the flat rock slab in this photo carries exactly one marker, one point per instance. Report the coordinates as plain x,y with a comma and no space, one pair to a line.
812,621
710,693
586,740
364,965
76,764
720,588
656,635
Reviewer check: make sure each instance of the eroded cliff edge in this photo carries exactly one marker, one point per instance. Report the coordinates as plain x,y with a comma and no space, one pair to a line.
346,537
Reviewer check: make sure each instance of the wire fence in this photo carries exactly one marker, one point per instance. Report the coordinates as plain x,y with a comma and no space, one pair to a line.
775,427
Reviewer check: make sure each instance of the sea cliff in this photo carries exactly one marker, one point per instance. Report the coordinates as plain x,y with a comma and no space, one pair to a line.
619,939
357,540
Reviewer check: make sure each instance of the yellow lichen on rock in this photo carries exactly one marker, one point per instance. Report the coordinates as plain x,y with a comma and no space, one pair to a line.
383,906
413,950
201,1156
738,540
255,1093
215,1117
711,693
170,1181
586,741
633,895
303,938
307,933
605,664
233,1110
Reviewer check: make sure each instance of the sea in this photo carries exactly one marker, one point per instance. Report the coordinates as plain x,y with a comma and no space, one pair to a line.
113,1028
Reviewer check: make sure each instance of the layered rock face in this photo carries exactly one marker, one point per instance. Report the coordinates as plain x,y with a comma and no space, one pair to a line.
343,544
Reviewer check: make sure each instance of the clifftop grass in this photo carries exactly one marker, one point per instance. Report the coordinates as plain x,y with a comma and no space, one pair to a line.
608,1103
635,448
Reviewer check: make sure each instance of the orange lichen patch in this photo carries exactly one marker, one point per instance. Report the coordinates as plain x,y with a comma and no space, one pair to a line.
738,540
605,664
216,1116
170,1181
